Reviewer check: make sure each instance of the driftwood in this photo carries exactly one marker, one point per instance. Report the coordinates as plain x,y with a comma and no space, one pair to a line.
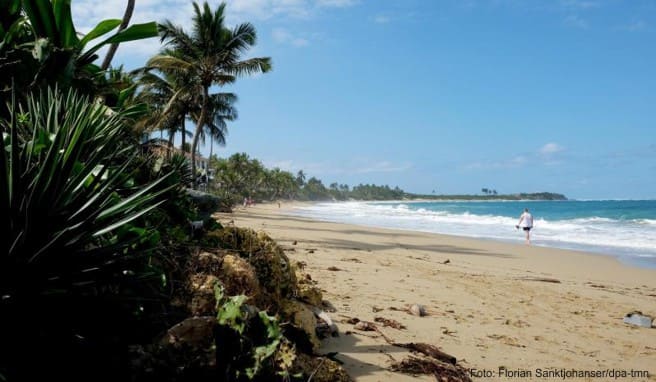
429,350
541,279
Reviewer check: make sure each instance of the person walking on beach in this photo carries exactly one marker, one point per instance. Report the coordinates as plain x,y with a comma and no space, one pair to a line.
526,222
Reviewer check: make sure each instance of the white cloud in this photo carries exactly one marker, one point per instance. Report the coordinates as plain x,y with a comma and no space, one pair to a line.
336,3
87,14
330,168
635,26
579,4
283,36
383,166
381,19
551,148
515,162
576,22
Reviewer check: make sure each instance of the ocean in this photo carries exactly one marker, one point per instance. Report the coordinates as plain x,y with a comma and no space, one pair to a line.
622,228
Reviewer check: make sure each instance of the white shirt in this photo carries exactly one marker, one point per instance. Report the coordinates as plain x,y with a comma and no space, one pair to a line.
526,220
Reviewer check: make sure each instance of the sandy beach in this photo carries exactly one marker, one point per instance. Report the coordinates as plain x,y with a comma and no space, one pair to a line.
490,304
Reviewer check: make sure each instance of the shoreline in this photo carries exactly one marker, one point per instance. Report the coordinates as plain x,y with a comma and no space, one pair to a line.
490,303
624,255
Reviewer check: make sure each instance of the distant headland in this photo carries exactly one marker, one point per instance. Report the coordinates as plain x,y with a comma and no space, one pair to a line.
520,196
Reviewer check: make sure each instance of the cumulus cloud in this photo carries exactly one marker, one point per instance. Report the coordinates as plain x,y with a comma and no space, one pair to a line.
635,26
283,36
365,166
514,162
88,13
336,3
551,148
381,19
579,4
576,21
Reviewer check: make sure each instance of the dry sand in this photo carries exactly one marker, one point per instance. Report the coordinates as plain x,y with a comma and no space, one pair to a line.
491,305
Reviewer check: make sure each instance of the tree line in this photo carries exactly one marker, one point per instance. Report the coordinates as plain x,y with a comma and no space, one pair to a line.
240,176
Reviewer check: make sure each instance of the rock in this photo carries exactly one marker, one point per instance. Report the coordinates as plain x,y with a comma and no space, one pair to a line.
303,318
206,203
326,326
202,301
305,288
417,310
272,267
638,319
195,331
238,277
206,262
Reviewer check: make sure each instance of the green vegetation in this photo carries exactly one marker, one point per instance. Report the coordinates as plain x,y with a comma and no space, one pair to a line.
104,269
240,176
209,56
111,268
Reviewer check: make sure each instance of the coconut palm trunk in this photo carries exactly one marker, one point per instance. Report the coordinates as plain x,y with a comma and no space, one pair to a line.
183,131
199,129
129,9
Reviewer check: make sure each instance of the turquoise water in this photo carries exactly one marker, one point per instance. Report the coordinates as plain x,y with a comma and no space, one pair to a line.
622,228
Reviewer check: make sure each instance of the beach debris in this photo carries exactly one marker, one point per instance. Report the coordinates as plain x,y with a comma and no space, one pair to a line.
334,268
638,319
428,350
352,320
353,259
389,323
376,309
417,310
541,279
447,261
325,325
295,242
366,326
320,369
442,371
448,332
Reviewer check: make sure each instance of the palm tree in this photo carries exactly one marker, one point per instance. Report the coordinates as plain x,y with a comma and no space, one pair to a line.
210,55
124,24
300,178
221,109
170,101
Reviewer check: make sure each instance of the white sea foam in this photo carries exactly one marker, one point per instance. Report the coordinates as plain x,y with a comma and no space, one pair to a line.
623,238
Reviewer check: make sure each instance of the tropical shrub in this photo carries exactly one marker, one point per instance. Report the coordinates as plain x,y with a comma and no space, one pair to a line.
40,47
77,273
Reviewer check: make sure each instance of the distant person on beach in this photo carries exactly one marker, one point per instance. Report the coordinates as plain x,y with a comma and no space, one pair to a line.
526,222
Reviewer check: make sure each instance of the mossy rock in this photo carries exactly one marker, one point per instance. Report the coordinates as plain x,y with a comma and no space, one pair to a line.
201,287
303,318
306,290
272,267
238,277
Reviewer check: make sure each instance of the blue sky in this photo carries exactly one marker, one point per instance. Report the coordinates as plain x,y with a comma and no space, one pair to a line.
452,96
